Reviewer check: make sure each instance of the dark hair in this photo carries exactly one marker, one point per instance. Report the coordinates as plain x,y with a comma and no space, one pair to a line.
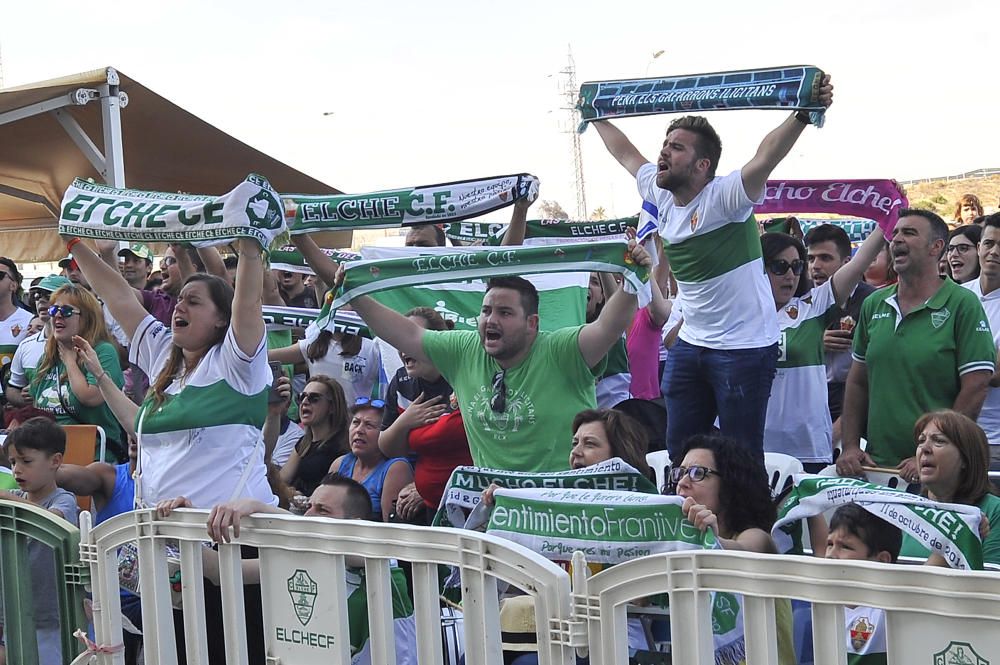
830,233
967,199
877,534
230,262
773,244
939,229
337,419
439,235
744,493
529,295
15,277
432,317
626,435
39,434
221,293
973,233
708,146
973,448
350,345
992,220
357,503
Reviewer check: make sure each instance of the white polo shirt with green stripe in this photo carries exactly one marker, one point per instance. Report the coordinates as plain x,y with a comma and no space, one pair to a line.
915,363
199,441
713,245
798,420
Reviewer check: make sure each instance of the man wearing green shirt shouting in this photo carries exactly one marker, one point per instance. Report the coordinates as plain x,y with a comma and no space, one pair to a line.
920,345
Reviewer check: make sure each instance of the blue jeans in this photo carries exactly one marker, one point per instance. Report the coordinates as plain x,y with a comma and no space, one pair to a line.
700,384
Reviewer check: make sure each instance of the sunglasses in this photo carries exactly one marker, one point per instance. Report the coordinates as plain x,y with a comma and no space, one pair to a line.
781,266
498,403
311,398
368,401
65,310
38,295
695,473
168,261
3,275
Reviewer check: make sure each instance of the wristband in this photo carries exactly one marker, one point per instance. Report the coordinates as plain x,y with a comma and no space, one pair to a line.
71,243
103,374
803,117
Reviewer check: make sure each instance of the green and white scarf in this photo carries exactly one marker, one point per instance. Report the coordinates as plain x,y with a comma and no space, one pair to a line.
460,263
793,87
565,229
290,259
345,322
251,210
467,483
404,627
446,202
950,529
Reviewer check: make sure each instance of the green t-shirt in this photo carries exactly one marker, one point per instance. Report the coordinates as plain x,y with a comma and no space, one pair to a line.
69,410
915,362
550,386
990,505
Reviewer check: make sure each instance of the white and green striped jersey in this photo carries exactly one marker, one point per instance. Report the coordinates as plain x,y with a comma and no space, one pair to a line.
798,418
13,329
713,245
198,442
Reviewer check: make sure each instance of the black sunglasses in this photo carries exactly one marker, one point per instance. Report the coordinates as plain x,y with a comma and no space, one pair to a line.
311,398
3,275
498,403
65,310
781,266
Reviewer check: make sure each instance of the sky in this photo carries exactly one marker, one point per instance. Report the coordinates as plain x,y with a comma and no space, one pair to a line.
380,94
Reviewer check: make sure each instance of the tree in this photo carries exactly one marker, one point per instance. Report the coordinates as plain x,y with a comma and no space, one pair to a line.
599,214
552,210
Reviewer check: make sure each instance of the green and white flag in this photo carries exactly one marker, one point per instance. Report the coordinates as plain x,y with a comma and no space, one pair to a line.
462,263
608,526
345,322
467,483
290,259
251,210
445,202
950,529
564,229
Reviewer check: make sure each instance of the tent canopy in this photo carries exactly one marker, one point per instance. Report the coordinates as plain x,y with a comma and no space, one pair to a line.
56,130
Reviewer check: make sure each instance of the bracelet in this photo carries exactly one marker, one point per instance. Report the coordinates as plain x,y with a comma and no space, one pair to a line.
103,374
803,117
71,243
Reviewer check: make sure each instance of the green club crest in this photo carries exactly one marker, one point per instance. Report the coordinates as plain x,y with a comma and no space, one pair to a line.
302,590
939,317
959,653
264,211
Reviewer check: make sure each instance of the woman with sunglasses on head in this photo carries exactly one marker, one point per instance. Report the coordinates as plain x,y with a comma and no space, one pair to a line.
324,418
953,459
382,476
199,425
798,417
422,418
62,385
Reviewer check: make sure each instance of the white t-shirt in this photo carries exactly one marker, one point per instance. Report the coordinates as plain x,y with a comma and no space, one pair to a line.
357,375
713,246
865,630
798,419
200,440
13,329
286,444
989,415
29,353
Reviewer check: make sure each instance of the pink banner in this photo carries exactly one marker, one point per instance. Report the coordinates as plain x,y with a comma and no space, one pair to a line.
879,200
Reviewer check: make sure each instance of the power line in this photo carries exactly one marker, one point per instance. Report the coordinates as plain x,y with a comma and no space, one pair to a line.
569,92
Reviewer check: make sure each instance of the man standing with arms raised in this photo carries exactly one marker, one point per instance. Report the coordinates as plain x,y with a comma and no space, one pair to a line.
724,362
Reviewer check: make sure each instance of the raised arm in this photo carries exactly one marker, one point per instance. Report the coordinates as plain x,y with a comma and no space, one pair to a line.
248,322
324,267
391,326
214,263
776,145
95,480
518,221
620,147
848,276
122,300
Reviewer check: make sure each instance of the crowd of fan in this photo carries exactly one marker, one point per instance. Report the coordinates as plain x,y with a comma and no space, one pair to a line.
780,344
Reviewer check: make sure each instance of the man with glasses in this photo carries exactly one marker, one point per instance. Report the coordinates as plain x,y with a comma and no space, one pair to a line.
987,289
920,345
518,388
14,320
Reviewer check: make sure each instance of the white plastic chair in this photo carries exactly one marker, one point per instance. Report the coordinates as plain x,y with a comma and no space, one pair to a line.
659,462
780,468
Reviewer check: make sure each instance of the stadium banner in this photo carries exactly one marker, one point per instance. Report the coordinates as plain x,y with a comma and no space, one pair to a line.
467,483
950,529
445,202
878,200
251,210
792,87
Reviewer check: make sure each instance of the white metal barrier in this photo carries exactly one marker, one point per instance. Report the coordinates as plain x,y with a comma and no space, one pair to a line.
933,615
318,547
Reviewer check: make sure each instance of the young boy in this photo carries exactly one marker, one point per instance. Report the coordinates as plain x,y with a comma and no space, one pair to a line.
36,450
859,535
